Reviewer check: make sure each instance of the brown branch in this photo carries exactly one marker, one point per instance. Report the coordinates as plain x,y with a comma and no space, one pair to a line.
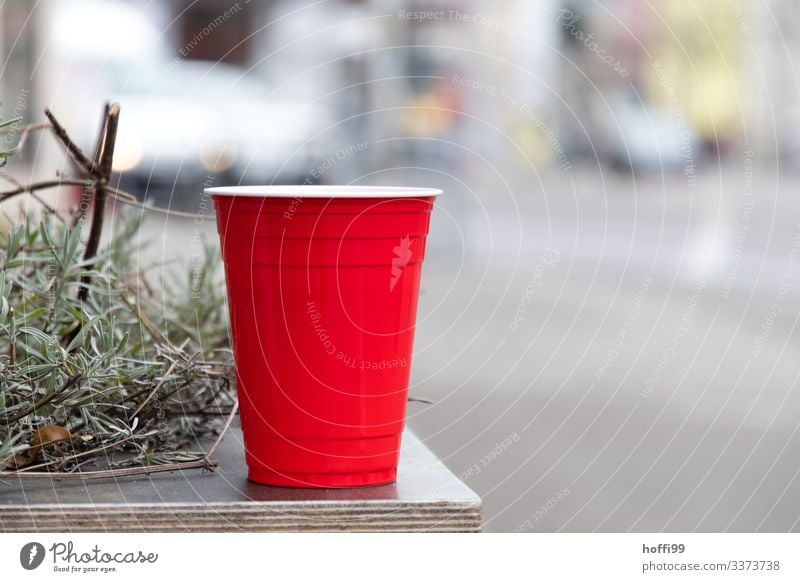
418,399
131,200
38,186
89,193
105,155
77,154
109,139
34,195
121,195
96,192
203,463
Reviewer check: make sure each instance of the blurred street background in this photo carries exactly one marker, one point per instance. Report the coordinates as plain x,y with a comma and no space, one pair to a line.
607,326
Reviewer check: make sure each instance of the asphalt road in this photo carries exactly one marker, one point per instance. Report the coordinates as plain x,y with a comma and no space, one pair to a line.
609,353
619,354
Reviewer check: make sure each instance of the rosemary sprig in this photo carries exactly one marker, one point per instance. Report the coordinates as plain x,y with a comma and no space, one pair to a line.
125,379
120,385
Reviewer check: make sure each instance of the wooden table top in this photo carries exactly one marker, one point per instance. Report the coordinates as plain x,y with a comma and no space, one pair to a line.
426,497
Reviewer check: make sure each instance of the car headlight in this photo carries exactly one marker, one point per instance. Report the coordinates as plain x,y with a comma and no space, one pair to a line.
127,155
218,160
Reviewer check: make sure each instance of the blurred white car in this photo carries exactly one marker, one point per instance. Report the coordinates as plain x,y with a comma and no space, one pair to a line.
648,138
182,120
193,119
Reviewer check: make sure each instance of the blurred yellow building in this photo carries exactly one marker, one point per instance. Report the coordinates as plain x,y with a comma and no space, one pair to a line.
699,48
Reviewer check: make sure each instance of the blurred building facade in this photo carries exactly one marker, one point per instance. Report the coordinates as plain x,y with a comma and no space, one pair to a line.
548,76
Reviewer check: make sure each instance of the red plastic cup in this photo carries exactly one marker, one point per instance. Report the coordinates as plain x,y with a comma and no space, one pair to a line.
322,284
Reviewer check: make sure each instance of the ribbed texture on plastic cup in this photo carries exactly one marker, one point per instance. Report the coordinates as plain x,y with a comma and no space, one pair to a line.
322,289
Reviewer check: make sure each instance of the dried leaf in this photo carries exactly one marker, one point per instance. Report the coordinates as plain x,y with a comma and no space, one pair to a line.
48,435
17,461
45,436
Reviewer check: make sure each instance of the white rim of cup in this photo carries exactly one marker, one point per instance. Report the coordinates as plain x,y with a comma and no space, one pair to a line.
322,191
